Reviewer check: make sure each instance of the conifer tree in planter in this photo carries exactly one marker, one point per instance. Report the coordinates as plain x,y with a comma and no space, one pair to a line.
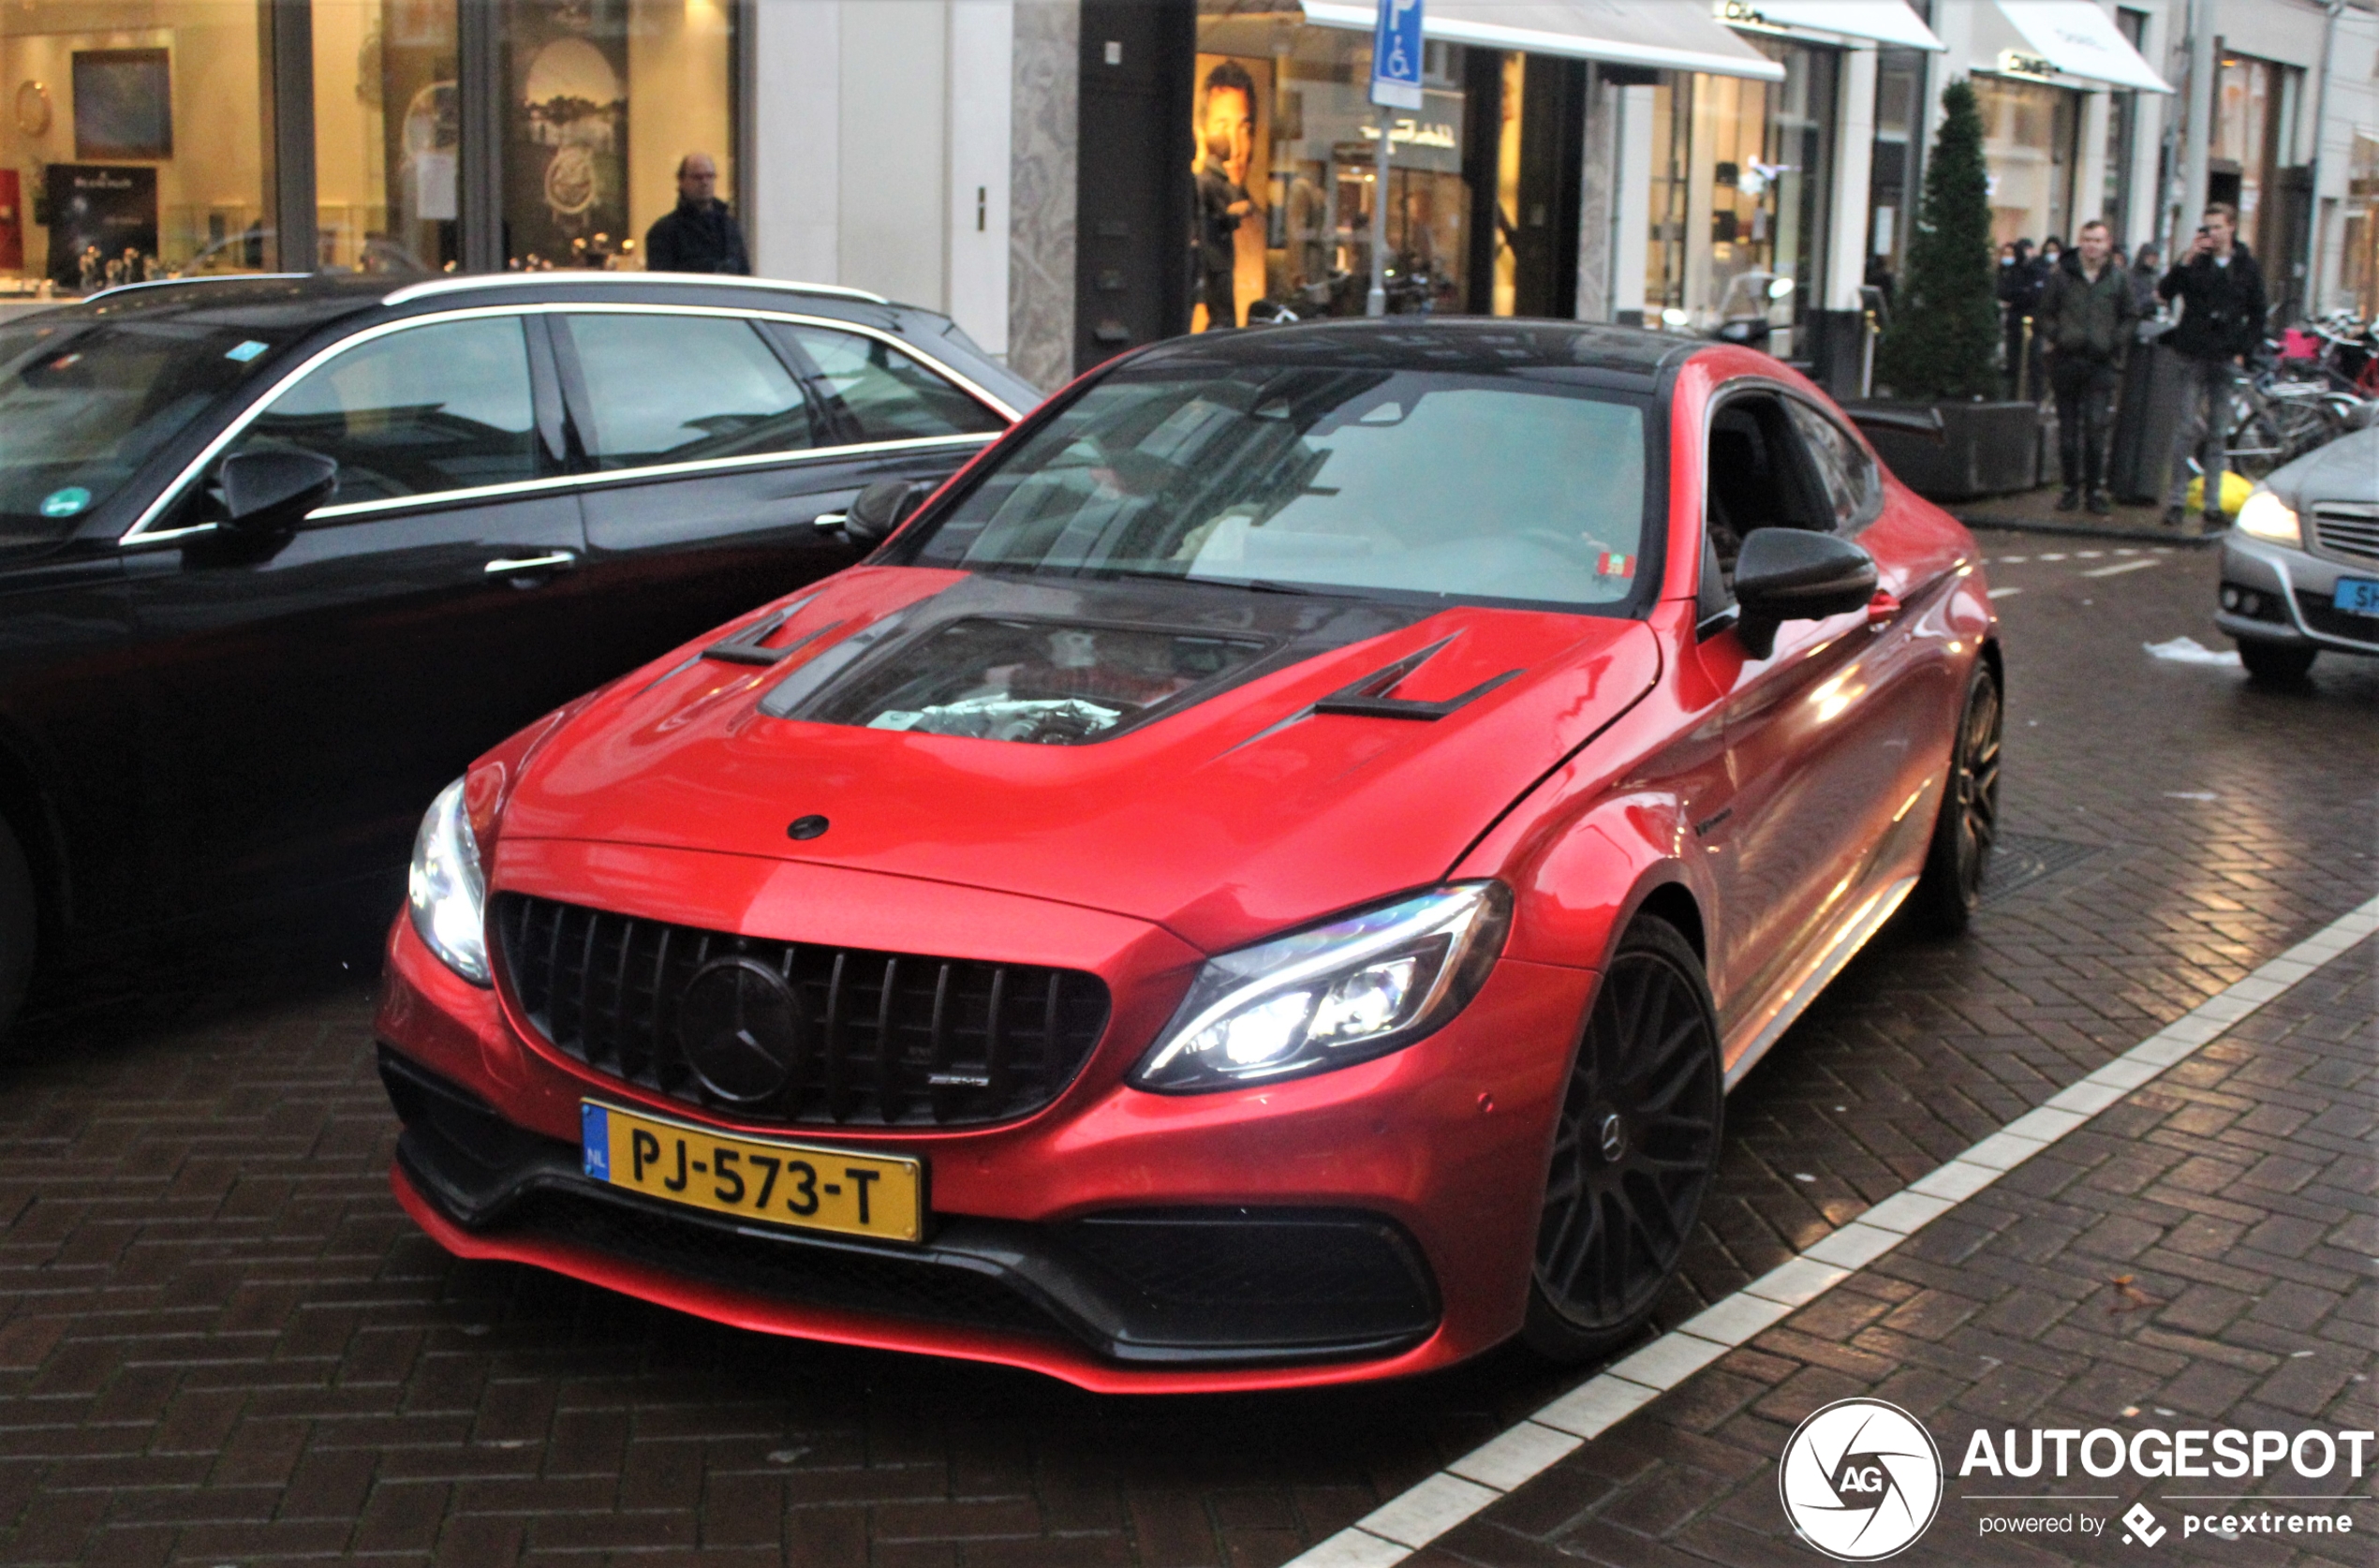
1946,330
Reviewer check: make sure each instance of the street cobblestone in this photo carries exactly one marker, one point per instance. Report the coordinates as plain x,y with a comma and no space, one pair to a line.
221,1343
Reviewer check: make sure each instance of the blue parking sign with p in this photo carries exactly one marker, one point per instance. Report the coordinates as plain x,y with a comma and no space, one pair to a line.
1396,55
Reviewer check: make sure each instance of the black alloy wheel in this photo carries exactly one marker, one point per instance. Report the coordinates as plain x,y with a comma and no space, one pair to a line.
1633,1151
1968,827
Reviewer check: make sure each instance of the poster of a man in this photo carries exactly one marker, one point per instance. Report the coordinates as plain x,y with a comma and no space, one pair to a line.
1229,234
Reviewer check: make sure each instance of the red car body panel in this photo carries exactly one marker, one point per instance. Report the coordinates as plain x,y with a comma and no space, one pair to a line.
1776,805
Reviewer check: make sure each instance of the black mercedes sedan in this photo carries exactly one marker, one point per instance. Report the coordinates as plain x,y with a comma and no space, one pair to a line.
278,555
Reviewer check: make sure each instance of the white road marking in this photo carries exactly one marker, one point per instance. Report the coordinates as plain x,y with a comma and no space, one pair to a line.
2011,560
1413,1518
2089,555
2055,558
2120,566
2002,593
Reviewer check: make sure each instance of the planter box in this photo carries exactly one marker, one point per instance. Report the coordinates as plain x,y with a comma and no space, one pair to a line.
1987,449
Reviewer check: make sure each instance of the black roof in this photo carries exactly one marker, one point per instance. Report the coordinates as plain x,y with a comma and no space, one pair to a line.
1465,343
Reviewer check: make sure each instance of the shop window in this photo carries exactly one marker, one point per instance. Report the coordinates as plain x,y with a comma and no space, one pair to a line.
130,142
2032,135
604,99
386,136
1743,173
428,409
685,388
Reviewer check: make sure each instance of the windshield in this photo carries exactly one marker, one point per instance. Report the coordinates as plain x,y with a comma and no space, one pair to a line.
1392,483
84,403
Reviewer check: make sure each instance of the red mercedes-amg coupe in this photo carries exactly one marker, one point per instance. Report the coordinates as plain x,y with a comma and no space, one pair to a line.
1265,877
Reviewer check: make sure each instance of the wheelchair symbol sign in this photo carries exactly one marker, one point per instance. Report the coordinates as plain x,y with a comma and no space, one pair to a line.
1396,55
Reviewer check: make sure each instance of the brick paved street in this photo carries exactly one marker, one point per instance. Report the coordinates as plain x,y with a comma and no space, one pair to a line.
220,1342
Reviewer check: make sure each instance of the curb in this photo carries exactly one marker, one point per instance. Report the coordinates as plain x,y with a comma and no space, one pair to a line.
2087,530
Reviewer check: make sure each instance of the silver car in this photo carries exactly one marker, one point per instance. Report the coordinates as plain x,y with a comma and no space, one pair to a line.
2301,572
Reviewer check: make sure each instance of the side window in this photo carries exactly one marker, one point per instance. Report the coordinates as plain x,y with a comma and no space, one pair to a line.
681,389
886,395
1758,474
1842,466
423,409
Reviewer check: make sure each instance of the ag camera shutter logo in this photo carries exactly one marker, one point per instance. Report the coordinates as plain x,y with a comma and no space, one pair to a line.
1861,1480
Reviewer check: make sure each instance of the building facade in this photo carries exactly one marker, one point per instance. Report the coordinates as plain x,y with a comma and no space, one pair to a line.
1071,177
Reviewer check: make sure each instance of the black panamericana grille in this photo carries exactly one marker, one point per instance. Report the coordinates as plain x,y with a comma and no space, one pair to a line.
850,1038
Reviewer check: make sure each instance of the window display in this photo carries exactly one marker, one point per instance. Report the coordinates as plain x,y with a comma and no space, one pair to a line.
1742,180
386,135
1284,129
2031,136
132,128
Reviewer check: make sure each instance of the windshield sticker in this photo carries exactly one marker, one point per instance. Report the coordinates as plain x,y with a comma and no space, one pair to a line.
1610,563
66,502
246,351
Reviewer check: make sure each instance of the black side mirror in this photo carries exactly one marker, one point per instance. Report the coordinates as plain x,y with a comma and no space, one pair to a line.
271,492
1791,574
879,508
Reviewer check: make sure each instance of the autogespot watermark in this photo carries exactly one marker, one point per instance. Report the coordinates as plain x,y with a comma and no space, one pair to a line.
1861,1480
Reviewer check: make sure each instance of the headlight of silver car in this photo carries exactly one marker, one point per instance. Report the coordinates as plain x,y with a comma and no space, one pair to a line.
446,888
2266,516
1360,986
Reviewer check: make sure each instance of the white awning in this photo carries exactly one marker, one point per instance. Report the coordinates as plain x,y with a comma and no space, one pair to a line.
2078,39
1665,35
1886,22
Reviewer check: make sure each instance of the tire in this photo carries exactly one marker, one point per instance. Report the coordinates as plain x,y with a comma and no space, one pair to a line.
1967,827
19,925
2276,663
1647,1082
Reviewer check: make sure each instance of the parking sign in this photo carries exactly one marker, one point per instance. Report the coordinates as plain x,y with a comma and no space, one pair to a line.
1396,55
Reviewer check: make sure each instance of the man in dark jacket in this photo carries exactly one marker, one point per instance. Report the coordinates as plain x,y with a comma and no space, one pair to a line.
2220,291
700,235
2085,316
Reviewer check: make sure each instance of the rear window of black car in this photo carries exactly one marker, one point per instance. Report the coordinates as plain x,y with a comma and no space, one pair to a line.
1369,481
84,403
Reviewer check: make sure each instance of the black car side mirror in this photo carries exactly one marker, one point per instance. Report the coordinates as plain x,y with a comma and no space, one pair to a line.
879,508
271,492
1792,574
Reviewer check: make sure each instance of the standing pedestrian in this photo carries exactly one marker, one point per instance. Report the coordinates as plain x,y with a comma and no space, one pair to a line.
2086,315
2144,269
2220,291
700,234
2018,293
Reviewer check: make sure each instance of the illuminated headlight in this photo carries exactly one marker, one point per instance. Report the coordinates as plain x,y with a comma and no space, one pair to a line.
446,890
1358,987
2265,517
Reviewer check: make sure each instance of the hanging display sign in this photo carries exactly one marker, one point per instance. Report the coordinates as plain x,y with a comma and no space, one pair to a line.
2015,62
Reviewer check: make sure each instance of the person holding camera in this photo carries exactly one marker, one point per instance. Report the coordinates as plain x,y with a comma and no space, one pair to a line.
2086,315
2220,291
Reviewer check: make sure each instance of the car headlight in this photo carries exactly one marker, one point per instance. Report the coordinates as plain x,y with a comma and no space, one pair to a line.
1360,986
2266,517
446,888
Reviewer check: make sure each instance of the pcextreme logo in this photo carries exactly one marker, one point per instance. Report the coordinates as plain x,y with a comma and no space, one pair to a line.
1861,1480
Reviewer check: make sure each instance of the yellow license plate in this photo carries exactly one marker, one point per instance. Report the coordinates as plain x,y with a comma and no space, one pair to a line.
800,1185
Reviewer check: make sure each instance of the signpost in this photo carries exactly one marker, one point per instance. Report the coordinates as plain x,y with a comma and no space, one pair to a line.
1395,84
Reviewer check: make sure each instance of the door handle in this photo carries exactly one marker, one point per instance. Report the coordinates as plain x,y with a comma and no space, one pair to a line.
829,521
1882,609
552,560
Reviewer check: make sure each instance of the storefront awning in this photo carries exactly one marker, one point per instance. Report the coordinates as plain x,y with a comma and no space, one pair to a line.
2076,39
1886,22
1665,35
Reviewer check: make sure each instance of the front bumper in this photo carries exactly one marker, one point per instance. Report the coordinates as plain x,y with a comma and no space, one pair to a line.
1375,1221
2291,593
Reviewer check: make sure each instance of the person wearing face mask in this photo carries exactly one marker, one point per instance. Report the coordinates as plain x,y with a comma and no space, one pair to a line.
2020,285
2085,321
2221,290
